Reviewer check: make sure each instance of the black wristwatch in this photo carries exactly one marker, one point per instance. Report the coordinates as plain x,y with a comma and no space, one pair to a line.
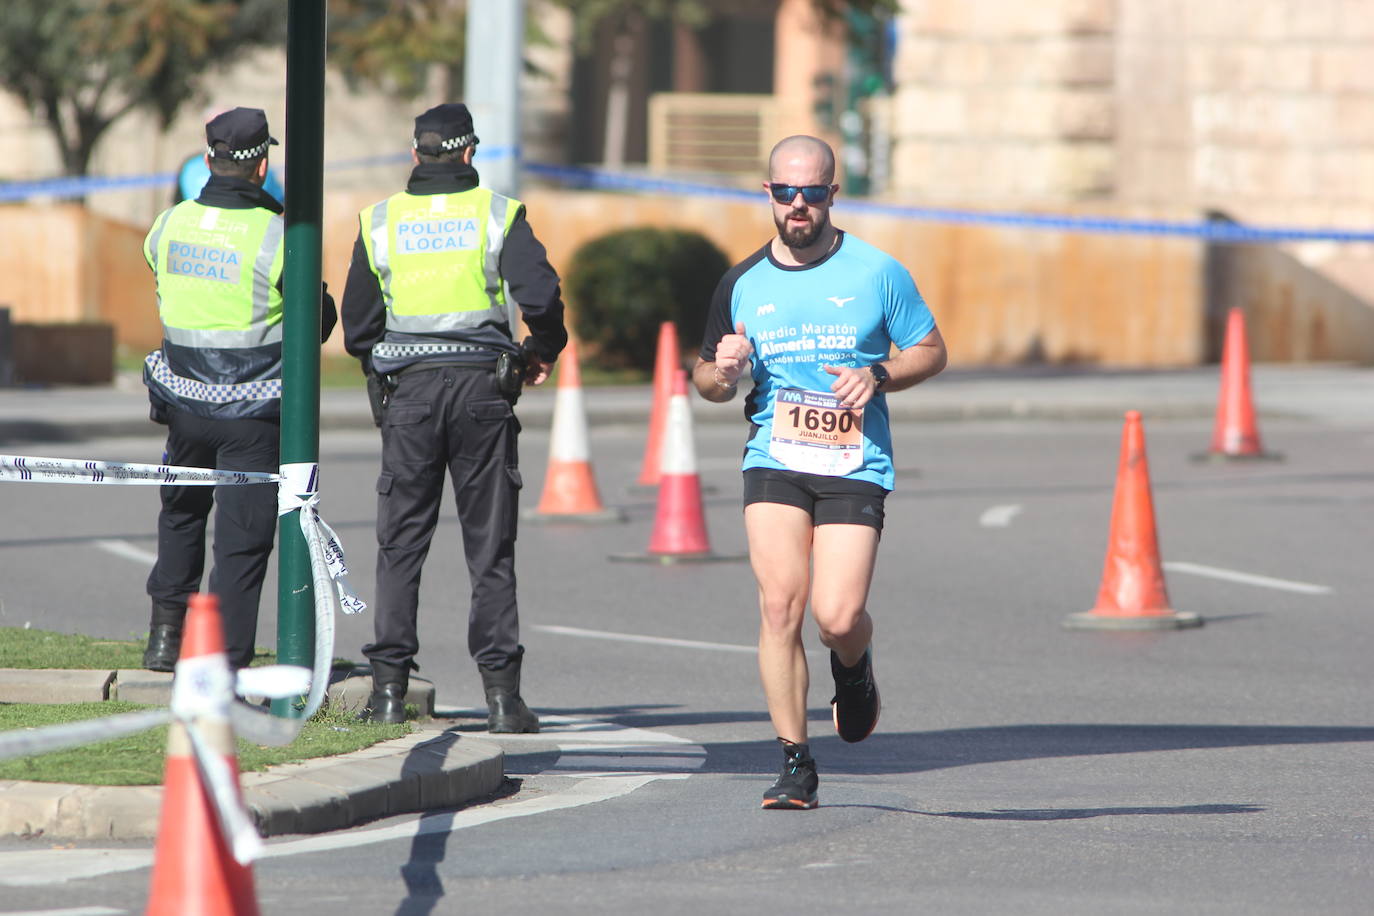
880,376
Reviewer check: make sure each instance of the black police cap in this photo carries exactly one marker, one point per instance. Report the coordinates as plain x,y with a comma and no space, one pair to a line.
452,122
243,131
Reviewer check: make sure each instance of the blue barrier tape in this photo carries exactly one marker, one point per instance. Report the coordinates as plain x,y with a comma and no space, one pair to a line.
78,186
1210,231
598,179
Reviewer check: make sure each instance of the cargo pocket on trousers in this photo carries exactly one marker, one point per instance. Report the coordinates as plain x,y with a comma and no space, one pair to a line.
385,480
405,413
490,410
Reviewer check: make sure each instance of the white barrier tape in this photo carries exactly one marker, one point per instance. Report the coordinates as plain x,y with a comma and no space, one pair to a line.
71,470
261,727
272,681
202,686
58,737
217,776
328,571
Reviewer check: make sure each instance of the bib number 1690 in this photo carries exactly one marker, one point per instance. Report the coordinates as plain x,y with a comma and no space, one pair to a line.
829,421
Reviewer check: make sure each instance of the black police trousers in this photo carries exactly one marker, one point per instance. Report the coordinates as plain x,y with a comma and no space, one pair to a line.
245,524
447,419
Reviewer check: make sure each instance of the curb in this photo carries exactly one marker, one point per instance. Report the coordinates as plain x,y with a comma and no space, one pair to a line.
431,768
434,767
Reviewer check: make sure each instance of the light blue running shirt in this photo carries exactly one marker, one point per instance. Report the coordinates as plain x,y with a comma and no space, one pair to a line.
843,310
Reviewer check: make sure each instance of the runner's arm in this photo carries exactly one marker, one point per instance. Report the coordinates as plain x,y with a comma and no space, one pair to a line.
856,385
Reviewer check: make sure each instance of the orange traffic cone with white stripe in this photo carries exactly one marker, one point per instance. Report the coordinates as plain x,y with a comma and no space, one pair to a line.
666,368
1235,435
679,533
195,872
1132,595
570,492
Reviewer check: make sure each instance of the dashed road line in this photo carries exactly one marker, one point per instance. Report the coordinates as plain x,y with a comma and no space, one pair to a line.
128,551
652,640
999,516
1231,575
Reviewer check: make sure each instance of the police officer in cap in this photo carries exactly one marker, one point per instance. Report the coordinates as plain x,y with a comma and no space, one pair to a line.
216,383
441,274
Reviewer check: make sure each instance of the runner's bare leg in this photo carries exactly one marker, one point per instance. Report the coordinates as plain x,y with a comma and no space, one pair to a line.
780,552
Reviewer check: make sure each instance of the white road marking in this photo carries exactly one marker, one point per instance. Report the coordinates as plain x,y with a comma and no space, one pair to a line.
73,911
652,640
128,551
999,516
624,759
1231,575
649,640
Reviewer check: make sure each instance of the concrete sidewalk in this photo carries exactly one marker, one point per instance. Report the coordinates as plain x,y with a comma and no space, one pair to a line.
434,767
1336,393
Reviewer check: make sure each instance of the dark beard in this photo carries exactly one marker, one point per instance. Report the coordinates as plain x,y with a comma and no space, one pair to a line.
801,238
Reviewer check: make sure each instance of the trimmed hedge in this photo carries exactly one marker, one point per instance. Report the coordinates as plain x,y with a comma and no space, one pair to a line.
624,285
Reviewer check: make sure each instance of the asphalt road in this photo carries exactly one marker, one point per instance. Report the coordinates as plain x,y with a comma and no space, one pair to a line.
1019,766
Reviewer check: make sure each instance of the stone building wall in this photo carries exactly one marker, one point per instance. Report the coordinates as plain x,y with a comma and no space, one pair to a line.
1262,109
1004,102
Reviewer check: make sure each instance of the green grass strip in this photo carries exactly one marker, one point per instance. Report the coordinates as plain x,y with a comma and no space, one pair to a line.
137,760
22,648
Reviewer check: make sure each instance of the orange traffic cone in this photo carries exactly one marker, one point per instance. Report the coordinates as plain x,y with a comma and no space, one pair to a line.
665,370
1235,434
194,871
679,524
1132,595
570,492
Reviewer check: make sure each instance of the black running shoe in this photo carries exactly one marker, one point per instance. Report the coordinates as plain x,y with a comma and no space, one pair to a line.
796,785
856,705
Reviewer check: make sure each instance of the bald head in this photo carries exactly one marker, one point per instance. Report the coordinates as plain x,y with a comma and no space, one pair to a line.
804,151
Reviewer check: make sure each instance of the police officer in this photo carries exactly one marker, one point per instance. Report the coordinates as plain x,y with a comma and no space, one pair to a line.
216,383
430,309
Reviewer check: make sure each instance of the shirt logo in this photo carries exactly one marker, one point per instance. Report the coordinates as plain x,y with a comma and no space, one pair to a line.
766,309
839,303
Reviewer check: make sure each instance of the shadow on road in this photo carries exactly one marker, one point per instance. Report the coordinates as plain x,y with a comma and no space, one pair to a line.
1065,814
915,752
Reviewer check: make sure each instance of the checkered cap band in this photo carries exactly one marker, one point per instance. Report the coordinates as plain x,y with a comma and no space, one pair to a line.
241,154
453,144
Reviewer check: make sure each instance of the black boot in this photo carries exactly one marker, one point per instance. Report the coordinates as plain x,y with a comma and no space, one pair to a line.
507,713
388,701
164,636
164,647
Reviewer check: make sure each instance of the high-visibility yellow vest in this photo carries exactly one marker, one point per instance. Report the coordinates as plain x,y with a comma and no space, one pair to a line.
437,261
217,273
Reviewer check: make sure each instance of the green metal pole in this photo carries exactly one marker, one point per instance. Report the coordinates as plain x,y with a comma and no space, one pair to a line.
300,402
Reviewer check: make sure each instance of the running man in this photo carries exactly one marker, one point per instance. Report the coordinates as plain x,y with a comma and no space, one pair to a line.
830,326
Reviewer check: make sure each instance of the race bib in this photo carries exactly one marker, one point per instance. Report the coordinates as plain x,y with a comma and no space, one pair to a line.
816,434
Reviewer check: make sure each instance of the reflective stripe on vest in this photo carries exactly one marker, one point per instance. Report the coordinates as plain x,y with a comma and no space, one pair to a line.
217,272
437,260
189,389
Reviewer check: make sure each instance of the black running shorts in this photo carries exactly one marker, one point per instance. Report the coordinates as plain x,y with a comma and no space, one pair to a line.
828,500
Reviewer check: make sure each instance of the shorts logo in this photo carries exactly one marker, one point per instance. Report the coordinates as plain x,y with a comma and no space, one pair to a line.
766,309
868,510
839,303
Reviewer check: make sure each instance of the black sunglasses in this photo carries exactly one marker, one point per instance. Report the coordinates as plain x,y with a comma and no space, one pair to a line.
811,193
